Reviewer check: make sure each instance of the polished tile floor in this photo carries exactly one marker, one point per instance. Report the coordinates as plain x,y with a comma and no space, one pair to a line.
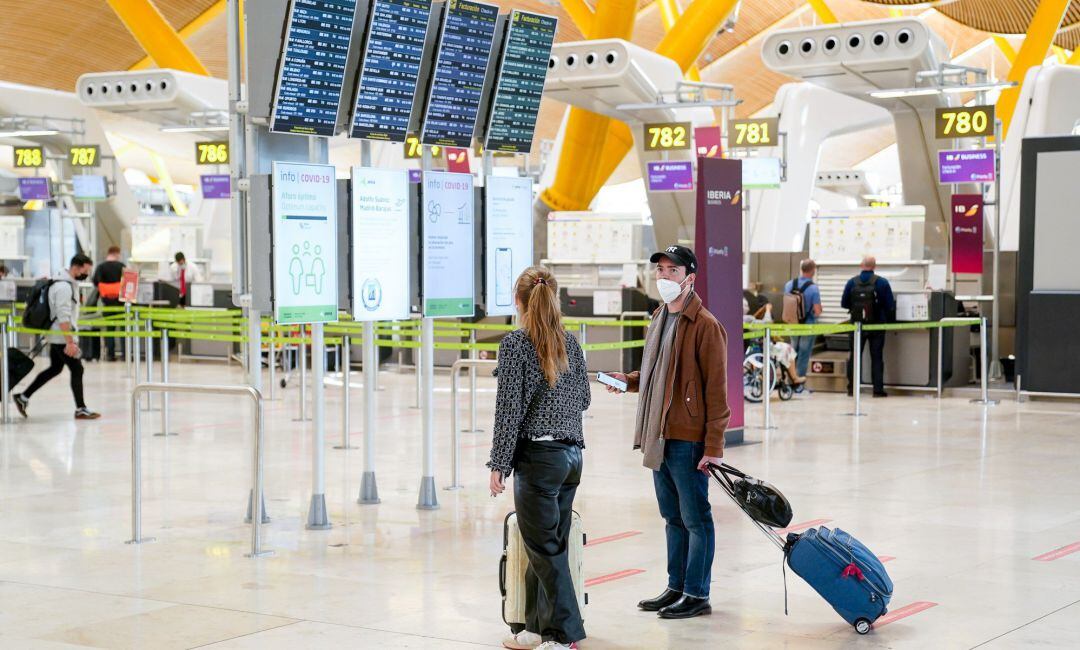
976,509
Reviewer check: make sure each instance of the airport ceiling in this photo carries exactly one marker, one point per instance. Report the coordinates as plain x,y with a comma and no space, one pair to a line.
43,46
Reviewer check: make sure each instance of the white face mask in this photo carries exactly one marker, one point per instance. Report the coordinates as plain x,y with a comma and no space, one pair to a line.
669,290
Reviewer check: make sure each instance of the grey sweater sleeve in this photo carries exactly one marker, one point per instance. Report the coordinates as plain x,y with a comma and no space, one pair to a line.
61,304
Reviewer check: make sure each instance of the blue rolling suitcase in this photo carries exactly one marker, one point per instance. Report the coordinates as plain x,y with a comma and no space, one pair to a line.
844,572
839,567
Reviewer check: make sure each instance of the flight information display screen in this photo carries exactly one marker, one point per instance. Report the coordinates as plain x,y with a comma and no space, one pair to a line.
312,67
389,69
457,84
520,82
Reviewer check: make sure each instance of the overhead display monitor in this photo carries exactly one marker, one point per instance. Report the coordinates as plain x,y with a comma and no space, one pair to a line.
508,239
89,188
312,67
520,82
380,244
457,83
389,69
448,257
304,213
761,173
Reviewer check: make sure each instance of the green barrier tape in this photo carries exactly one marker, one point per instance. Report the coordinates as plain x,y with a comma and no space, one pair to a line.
198,336
882,327
753,335
101,322
618,345
605,322
493,347
383,343
87,335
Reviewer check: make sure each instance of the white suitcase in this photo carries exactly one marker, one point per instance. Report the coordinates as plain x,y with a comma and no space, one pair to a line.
514,563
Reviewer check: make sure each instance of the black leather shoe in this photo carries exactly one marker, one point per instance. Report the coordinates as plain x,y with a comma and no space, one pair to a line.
669,597
687,607
881,394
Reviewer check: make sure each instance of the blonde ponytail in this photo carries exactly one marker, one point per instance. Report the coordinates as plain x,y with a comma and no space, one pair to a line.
538,293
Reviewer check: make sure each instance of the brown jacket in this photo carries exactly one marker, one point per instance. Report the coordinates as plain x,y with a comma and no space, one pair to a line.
695,398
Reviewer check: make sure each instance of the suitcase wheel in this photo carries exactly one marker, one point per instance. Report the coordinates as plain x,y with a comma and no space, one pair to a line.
862,626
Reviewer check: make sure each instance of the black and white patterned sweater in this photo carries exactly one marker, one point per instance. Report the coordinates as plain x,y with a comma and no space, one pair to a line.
526,407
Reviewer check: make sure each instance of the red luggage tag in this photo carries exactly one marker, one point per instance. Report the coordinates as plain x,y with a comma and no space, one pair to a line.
852,570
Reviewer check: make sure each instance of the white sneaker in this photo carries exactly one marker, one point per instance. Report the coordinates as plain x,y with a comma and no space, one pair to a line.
523,640
555,645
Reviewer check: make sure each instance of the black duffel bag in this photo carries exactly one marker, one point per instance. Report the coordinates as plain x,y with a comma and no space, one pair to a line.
761,500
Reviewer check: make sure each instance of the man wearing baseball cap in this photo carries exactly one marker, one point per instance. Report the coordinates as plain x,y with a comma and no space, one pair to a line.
681,417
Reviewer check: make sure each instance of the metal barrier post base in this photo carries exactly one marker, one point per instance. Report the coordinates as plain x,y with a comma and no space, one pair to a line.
163,434
144,540
369,490
344,447
985,402
428,499
247,517
451,488
260,554
316,518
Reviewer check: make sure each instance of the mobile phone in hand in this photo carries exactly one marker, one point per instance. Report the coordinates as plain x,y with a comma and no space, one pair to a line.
608,380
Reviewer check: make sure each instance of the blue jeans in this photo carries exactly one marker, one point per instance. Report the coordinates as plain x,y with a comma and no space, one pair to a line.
804,347
683,495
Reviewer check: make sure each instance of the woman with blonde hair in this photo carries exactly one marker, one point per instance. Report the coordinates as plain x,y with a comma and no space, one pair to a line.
543,390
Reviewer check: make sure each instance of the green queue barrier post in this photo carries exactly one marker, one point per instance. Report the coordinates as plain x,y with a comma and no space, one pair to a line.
345,351
984,370
5,379
165,380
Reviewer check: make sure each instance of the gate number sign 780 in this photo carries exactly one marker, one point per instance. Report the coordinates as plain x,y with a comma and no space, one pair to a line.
964,122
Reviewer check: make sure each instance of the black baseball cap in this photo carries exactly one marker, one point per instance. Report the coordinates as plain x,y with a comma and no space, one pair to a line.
681,255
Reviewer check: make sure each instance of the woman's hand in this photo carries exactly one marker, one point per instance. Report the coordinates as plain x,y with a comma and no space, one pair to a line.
497,486
615,375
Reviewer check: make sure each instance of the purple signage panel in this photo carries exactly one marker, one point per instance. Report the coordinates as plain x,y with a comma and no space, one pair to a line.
670,176
718,246
216,186
966,166
34,188
415,175
967,233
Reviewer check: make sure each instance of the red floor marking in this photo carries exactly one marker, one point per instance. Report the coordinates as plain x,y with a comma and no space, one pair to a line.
885,558
618,575
1059,553
612,538
904,612
806,525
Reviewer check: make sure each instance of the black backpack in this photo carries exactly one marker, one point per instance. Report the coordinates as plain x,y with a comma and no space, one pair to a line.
38,315
863,301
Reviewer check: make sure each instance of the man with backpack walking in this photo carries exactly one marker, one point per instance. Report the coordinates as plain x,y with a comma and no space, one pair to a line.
802,304
868,297
54,306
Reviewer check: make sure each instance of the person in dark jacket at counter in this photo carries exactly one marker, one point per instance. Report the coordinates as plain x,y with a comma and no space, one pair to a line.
868,297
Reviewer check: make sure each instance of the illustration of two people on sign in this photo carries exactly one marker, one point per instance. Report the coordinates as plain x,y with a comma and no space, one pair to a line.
306,268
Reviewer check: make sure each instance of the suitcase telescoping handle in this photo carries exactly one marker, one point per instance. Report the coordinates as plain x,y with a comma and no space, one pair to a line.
502,575
723,473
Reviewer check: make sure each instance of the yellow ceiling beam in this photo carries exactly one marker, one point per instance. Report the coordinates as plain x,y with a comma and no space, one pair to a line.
1075,58
895,12
1060,53
585,137
1006,48
669,14
823,12
156,36
1040,34
693,31
581,14
202,20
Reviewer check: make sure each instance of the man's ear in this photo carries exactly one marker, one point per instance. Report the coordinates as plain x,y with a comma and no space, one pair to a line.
692,278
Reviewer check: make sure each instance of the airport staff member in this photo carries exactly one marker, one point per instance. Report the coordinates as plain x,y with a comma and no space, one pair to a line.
107,279
184,275
804,345
868,297
63,344
681,418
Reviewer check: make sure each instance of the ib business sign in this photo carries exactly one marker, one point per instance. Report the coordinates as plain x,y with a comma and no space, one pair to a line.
966,166
670,176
